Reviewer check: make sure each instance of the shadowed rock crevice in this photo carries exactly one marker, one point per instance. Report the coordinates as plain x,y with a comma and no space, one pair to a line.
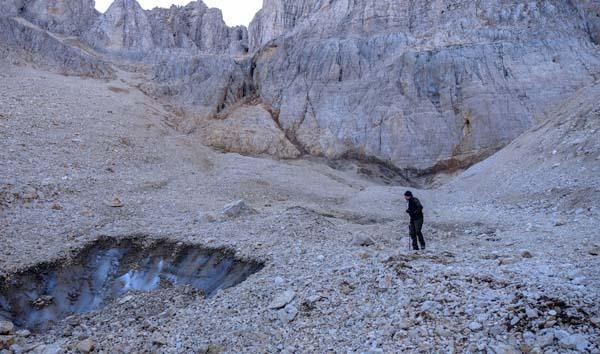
109,268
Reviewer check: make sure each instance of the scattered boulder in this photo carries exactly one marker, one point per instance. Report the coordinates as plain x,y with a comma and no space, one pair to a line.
545,339
502,348
86,346
6,327
6,341
237,209
288,313
23,333
47,349
115,203
215,348
281,300
475,326
526,254
158,339
362,240
577,342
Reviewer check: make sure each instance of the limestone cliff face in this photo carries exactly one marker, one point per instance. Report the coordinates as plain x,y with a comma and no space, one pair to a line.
127,29
278,17
23,42
70,17
419,84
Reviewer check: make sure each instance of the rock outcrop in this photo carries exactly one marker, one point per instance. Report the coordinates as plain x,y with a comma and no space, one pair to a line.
562,152
249,130
128,30
421,85
203,84
71,17
22,41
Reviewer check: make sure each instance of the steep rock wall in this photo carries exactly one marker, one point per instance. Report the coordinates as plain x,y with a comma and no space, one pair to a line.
422,85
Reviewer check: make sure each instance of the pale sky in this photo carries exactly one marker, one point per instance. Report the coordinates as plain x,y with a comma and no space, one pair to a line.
235,12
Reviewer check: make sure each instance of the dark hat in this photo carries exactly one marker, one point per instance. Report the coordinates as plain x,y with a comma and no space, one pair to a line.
408,194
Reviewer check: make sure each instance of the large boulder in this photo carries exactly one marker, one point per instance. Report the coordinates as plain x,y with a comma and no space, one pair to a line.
250,130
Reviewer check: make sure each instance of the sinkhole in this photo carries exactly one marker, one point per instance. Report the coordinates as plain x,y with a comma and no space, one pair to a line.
109,268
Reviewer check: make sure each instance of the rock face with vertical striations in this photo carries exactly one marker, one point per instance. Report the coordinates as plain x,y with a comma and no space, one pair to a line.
23,42
71,17
423,85
128,30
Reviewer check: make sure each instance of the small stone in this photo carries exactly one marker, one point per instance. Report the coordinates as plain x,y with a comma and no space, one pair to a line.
47,349
514,321
282,299
362,240
430,306
43,302
215,349
288,314
23,333
158,339
86,346
544,340
16,349
6,341
115,203
6,327
574,341
525,348
313,298
552,313
505,261
125,299
560,223
526,254
531,313
57,206
501,348
236,209
475,326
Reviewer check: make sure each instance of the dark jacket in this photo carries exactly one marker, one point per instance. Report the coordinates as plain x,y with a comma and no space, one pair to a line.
415,209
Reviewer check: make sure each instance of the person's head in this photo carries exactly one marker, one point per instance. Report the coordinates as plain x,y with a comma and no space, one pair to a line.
408,195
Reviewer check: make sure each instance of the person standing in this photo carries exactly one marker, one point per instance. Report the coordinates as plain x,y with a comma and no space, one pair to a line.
415,210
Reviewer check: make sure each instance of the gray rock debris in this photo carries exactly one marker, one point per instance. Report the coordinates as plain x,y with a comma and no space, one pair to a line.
362,240
6,327
282,299
236,209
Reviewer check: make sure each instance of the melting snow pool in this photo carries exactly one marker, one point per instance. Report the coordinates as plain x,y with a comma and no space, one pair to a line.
108,269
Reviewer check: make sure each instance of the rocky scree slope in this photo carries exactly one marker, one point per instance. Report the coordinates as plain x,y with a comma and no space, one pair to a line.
422,86
553,167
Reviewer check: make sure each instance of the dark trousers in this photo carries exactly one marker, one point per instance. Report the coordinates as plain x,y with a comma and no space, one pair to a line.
415,232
